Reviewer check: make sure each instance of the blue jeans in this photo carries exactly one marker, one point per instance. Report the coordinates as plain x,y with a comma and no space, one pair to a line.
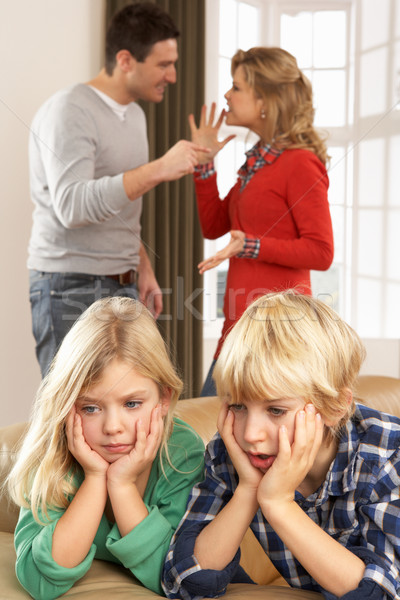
209,388
58,299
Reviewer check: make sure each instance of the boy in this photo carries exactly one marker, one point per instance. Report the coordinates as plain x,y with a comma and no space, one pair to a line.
315,475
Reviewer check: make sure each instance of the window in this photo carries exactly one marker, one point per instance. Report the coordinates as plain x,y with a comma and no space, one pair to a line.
353,61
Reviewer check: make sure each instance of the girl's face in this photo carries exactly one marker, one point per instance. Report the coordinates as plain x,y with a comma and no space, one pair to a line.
244,106
256,427
111,408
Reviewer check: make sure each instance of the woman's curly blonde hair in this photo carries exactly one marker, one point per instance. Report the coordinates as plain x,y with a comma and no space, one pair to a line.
275,77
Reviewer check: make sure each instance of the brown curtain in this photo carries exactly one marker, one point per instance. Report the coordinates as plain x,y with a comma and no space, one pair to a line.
170,227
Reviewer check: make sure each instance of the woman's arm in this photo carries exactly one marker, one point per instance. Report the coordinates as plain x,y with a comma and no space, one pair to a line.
308,209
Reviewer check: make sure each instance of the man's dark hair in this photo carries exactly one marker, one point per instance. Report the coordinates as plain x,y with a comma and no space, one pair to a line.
136,28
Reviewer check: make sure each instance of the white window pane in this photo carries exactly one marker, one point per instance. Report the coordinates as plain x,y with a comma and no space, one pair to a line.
394,171
370,242
374,22
392,313
225,169
221,243
227,34
351,95
296,37
325,285
337,175
373,78
396,78
368,310
240,149
371,174
248,26
397,19
349,232
337,215
393,245
225,81
329,38
329,98
350,177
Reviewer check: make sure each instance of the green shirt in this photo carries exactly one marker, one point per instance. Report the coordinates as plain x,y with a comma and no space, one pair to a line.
142,551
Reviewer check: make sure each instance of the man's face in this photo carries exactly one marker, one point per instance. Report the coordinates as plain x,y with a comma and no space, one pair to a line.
148,79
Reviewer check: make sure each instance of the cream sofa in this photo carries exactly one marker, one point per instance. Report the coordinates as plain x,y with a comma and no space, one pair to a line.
110,582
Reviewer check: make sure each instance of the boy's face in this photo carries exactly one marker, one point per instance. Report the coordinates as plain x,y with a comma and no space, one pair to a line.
256,427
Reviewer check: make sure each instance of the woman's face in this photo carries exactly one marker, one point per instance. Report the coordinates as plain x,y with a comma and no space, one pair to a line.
244,106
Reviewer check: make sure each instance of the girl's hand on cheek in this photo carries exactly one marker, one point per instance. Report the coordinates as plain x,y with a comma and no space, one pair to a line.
91,462
128,468
249,476
293,462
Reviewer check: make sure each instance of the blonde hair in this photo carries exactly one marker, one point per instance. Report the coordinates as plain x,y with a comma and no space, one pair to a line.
291,345
275,77
121,328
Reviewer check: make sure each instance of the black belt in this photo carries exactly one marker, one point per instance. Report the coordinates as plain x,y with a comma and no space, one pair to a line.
127,278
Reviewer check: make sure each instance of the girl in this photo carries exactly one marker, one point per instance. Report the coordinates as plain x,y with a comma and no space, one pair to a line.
104,471
277,212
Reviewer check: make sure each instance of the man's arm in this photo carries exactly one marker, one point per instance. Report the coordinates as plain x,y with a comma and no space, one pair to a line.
62,158
174,164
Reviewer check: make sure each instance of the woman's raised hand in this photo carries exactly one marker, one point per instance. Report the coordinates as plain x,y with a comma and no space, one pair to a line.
206,134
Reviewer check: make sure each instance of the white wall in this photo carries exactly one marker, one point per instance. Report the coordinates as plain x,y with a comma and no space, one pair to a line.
45,45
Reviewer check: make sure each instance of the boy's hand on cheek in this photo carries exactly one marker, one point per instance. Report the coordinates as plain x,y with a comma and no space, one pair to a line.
91,462
128,468
249,476
293,462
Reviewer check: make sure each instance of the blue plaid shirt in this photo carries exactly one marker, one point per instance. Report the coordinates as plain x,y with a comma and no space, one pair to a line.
358,505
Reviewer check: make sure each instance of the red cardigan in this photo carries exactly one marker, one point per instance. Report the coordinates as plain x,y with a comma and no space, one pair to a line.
285,205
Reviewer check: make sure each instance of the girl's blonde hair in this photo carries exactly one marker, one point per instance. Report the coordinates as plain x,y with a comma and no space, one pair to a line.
274,76
112,328
291,345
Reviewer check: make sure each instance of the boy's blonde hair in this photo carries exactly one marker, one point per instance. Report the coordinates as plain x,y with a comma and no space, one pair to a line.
111,328
291,345
274,76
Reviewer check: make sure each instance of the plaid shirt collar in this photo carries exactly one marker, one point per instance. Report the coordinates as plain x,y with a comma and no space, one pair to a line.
257,157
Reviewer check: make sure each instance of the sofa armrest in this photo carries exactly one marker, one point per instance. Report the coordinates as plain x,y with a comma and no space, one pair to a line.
9,440
379,392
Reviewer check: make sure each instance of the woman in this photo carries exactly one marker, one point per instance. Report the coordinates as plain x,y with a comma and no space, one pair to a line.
277,212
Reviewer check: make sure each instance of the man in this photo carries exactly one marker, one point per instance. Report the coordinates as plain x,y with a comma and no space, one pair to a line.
89,169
